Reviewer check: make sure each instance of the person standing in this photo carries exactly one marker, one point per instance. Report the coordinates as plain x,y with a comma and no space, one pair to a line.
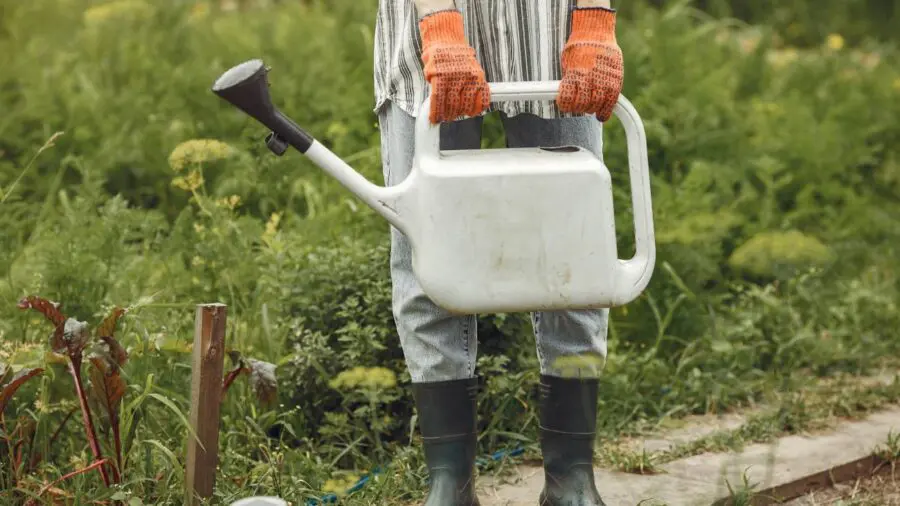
451,49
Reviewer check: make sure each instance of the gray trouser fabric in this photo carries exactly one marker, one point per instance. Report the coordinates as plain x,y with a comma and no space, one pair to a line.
440,346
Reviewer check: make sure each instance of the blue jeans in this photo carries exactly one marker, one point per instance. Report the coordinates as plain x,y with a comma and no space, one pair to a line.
440,346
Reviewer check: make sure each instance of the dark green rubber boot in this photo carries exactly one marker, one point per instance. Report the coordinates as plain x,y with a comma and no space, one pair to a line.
568,426
447,420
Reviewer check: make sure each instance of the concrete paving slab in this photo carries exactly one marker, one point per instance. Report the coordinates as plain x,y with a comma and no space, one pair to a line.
791,457
694,429
616,488
701,480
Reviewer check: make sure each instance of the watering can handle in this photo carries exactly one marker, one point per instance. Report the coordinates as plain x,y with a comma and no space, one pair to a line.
633,274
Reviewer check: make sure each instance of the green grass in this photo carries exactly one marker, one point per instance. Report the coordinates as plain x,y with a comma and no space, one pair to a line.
776,182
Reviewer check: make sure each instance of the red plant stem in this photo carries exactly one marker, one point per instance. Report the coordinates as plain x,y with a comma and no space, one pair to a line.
62,424
230,377
98,464
75,369
17,449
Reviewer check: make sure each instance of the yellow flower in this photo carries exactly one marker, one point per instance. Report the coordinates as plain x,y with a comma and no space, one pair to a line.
20,353
229,202
835,42
365,377
272,227
116,9
196,151
6,351
339,486
190,182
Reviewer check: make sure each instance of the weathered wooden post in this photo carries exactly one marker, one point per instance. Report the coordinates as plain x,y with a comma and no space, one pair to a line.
206,393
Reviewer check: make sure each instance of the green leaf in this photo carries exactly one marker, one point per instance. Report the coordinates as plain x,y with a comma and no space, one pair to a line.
173,460
172,407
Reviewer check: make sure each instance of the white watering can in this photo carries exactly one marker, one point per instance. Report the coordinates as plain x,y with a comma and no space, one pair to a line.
261,501
496,230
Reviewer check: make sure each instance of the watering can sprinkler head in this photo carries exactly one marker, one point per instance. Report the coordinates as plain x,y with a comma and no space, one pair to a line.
246,87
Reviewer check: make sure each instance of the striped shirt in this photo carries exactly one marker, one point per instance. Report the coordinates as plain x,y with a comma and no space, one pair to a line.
514,40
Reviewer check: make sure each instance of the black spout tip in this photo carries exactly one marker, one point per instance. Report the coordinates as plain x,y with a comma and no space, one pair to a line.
246,86
239,75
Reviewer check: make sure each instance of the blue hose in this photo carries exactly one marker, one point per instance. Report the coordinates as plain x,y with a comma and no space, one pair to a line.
480,462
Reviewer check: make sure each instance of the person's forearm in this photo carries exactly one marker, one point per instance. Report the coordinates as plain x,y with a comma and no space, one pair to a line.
424,7
594,3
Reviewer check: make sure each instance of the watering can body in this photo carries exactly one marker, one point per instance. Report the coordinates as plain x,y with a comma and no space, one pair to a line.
498,230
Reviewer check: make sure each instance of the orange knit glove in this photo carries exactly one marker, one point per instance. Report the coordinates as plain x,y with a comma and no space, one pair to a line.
592,64
458,85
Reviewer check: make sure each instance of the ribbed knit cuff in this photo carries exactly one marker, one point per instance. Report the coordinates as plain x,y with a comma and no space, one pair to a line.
592,24
442,26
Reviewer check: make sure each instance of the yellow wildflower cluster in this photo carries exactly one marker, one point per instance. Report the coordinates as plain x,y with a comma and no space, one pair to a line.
272,226
197,151
6,351
340,485
16,353
229,202
116,10
190,182
364,377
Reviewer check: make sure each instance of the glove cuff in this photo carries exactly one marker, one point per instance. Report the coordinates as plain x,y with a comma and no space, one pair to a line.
593,24
442,27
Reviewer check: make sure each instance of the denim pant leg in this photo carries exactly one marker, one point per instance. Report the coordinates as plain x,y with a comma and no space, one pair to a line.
569,343
437,345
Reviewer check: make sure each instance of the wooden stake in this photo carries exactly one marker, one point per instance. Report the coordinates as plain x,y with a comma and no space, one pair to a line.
206,392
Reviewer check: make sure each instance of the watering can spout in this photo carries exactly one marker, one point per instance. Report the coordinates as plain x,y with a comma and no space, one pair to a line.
246,87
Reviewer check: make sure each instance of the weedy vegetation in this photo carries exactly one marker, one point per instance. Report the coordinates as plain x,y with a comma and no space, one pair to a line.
129,193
